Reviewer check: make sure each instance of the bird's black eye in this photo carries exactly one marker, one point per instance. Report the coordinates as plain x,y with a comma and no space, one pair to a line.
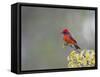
65,32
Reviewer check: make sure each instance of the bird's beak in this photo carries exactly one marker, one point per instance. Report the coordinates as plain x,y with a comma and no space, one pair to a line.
61,32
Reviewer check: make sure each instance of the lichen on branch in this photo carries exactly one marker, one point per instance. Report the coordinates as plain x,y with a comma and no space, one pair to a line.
86,58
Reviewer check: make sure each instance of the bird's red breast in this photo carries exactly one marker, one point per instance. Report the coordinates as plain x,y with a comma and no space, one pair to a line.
69,39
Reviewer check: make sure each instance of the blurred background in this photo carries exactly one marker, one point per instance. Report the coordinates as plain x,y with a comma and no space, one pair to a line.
42,40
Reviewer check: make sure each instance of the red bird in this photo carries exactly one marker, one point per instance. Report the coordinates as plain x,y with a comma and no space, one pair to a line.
69,40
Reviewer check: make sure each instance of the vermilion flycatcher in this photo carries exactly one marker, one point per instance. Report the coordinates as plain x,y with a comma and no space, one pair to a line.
69,40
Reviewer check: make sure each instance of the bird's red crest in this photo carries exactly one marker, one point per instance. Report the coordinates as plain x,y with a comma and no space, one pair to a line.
65,30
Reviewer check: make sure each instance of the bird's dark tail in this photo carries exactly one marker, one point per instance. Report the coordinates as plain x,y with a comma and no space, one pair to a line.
77,47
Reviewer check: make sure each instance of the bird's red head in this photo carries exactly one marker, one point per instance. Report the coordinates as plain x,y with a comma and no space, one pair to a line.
65,31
